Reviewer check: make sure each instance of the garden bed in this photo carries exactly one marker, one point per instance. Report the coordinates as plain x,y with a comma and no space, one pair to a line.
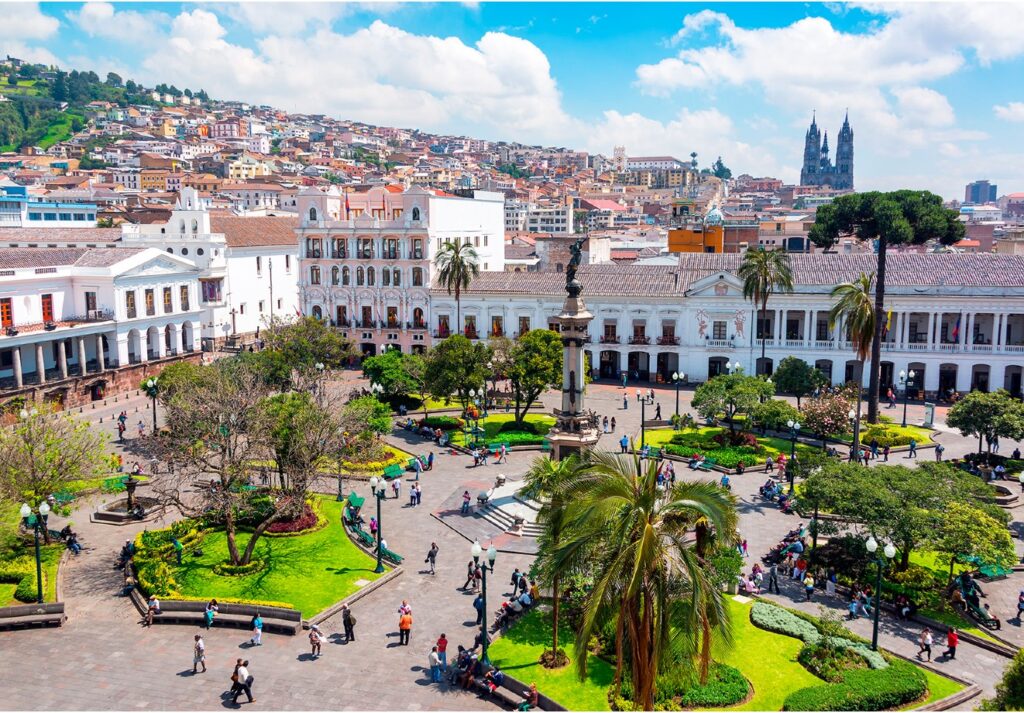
308,571
499,428
701,439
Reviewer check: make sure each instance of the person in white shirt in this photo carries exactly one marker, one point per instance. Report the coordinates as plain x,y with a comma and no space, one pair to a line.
245,681
434,661
199,654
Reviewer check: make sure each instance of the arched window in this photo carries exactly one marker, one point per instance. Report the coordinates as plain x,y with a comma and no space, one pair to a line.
195,225
345,276
184,251
417,277
312,214
417,249
314,275
359,276
398,278
385,277
370,276
415,213
170,250
317,312
417,318
182,225
335,275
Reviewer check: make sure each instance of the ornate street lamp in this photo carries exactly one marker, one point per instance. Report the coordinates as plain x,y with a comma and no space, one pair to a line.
152,389
678,380
906,379
492,554
377,485
890,551
38,524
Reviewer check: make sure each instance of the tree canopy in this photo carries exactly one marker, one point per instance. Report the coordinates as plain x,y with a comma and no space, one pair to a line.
307,341
731,395
454,366
398,374
534,364
988,416
797,377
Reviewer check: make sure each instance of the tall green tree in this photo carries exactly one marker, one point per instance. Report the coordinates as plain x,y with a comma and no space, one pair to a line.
534,365
965,530
720,170
795,376
988,416
648,577
457,264
397,374
453,367
887,219
308,341
1010,690
853,309
730,395
763,273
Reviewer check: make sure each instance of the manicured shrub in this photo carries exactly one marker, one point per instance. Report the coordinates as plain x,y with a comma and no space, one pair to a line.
445,423
725,687
305,521
225,569
865,690
889,435
525,427
782,621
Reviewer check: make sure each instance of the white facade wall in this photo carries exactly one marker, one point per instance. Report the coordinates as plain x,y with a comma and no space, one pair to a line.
262,283
480,221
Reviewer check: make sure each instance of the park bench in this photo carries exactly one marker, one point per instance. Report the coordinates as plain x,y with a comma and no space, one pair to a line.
363,536
393,471
174,611
982,617
545,447
64,497
355,501
708,464
25,615
391,556
512,692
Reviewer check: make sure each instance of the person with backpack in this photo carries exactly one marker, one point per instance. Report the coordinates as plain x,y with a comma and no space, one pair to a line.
939,450
349,622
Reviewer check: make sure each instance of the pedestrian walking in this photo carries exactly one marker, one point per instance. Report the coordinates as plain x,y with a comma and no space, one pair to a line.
624,443
809,585
466,500
417,465
257,630
939,450
442,651
623,379
404,628
885,452
316,640
743,548
913,453
892,398
349,622
613,424
478,604
245,681
419,494
432,556
412,496
198,654
952,639
178,548
773,578
120,431
657,412
396,487
470,568
404,607
925,642
478,576
142,429
435,665
604,424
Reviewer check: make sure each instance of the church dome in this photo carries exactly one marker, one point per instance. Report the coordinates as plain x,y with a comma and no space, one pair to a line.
714,217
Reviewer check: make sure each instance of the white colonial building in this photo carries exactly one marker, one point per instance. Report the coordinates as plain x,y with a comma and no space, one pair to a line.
368,258
957,319
248,266
75,311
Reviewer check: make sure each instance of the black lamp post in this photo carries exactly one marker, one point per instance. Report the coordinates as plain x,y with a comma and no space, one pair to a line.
377,485
492,554
906,379
644,401
678,380
341,480
38,524
794,431
890,551
152,389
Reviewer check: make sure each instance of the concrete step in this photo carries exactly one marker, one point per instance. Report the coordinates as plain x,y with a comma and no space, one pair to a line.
505,520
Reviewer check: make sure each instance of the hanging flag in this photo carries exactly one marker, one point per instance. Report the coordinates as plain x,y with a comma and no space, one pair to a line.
348,208
887,326
956,330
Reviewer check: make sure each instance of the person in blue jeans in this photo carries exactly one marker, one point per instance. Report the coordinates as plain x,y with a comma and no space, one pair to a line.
624,444
435,665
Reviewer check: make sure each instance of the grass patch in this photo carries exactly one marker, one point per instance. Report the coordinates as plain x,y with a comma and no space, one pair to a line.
518,654
538,424
58,130
938,688
700,439
18,568
960,623
892,433
310,572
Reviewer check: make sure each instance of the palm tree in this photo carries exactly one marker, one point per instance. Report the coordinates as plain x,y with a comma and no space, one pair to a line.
763,272
854,307
544,481
457,264
648,577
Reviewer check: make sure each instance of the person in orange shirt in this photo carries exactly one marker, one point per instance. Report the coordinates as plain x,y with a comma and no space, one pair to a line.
404,628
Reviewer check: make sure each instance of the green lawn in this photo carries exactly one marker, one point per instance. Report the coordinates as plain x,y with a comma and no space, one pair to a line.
59,130
938,687
518,651
310,572
494,422
50,558
768,661
773,446
923,436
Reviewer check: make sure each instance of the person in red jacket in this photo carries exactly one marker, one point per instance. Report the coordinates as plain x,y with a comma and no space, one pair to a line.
952,639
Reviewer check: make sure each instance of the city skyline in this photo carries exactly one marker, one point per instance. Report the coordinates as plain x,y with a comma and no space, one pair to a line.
929,86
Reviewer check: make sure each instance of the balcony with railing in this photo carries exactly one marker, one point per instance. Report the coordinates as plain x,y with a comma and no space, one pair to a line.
668,340
339,254
720,343
497,333
470,333
442,333
609,339
639,339
417,325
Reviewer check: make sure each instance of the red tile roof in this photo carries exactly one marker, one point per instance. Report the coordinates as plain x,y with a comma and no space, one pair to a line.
242,232
59,235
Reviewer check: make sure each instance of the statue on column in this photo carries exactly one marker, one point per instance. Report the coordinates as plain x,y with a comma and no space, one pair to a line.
572,285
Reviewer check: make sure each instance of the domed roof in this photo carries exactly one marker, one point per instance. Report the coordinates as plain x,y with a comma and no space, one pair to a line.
714,217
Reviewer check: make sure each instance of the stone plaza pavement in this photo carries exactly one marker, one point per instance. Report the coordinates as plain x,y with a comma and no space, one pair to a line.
103,660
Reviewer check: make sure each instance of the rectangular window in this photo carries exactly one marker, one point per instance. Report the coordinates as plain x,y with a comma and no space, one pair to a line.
262,306
129,304
470,329
90,302
49,216
35,216
366,319
287,263
150,303
279,303
259,266
497,327
47,308
718,330
183,297
6,313
168,301
392,317
241,308
211,289
79,216
524,325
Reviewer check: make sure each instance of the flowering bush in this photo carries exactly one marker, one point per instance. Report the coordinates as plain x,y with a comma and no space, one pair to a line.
304,521
827,415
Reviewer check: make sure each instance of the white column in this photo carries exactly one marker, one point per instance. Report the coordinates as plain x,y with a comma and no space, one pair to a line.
62,359
997,331
19,378
965,318
100,362
122,350
40,363
931,331
808,332
83,360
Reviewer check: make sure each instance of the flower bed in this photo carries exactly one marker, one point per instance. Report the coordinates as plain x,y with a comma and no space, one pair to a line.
310,520
445,423
751,450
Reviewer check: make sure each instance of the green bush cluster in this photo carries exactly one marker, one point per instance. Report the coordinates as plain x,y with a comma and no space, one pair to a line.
888,435
782,621
539,428
519,438
678,688
22,572
155,548
686,445
445,423
229,570
863,690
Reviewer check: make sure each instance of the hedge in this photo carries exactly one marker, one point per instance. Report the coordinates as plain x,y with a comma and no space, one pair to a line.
445,423
229,570
678,688
782,621
899,683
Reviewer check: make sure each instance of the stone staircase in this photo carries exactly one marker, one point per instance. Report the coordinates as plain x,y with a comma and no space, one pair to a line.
503,516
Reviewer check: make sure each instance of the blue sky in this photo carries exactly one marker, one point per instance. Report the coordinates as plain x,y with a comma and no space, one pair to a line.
934,90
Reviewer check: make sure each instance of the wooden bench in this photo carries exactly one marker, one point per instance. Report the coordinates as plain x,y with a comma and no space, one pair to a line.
708,464
25,615
545,447
363,536
393,471
983,618
173,611
513,691
390,556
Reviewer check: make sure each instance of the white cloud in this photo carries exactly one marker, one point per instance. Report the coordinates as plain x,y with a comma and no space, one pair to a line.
100,19
25,21
924,106
294,18
1012,111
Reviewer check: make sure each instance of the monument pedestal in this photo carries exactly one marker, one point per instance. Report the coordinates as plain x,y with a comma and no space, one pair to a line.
575,428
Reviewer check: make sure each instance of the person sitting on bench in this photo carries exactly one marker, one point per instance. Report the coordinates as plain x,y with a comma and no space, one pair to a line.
73,545
152,609
531,700
493,680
